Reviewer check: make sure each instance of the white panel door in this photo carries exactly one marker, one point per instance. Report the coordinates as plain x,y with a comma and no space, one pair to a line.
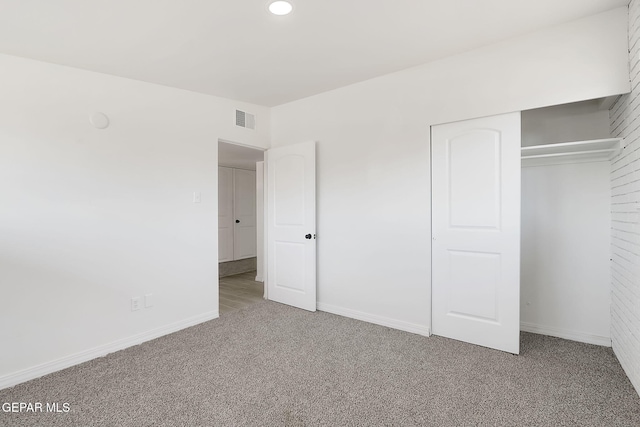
244,210
291,219
476,231
225,214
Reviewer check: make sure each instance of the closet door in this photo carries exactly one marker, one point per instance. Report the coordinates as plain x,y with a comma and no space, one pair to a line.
476,231
244,207
225,214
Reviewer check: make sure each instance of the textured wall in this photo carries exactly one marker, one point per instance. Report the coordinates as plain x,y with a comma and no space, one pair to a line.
625,189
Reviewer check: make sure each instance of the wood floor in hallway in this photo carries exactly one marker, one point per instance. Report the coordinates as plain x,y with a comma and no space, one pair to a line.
239,291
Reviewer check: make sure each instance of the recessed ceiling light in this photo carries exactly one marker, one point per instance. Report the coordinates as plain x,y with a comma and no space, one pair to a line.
280,8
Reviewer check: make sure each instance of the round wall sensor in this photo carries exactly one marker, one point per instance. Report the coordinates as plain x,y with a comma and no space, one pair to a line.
280,8
99,120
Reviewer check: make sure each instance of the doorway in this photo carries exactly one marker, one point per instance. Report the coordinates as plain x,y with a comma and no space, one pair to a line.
240,226
285,211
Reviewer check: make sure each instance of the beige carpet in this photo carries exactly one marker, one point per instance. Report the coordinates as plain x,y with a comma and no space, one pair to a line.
270,364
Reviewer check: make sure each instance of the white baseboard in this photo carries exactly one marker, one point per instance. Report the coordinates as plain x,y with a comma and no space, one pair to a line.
37,371
378,320
566,334
259,279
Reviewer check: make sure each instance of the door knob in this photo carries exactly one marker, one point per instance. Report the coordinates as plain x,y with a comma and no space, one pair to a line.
307,236
237,221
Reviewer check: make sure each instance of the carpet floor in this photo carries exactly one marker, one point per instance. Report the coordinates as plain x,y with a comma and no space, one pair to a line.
270,364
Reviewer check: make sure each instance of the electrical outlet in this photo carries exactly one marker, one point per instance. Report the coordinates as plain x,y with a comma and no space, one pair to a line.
135,303
148,300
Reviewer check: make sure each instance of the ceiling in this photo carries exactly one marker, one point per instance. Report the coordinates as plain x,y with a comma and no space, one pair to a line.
236,49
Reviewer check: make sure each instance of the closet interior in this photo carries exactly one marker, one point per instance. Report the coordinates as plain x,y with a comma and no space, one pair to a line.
565,288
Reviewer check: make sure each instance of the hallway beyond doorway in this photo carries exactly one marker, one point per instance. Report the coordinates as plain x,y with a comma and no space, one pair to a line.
239,291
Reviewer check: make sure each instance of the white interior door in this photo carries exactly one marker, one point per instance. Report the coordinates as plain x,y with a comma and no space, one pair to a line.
244,211
225,214
291,225
476,231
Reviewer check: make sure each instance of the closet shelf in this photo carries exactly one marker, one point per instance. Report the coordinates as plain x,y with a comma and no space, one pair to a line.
571,152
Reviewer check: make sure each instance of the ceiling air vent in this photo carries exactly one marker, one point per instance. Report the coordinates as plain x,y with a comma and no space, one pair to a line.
245,120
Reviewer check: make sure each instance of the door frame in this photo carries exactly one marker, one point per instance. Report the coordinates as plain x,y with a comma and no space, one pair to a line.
264,212
263,262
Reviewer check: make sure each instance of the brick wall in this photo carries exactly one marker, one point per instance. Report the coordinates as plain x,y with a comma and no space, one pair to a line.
625,209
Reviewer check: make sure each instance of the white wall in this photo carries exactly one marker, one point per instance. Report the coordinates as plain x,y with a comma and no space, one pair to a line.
373,153
90,218
565,286
625,206
577,121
